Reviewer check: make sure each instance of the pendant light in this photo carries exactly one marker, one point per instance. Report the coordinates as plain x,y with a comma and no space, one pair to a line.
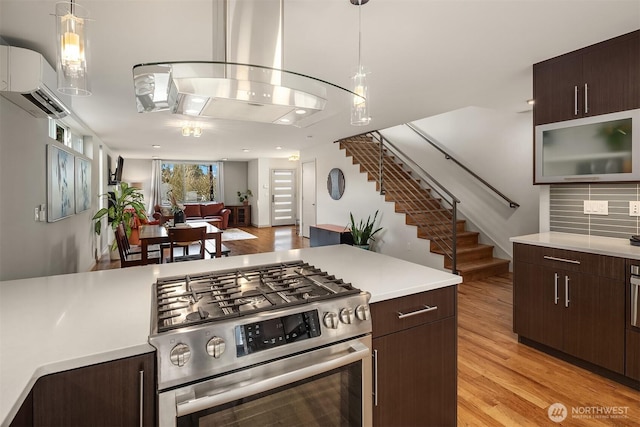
71,61
360,106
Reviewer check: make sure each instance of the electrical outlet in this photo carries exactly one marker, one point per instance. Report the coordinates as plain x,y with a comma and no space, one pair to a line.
634,208
37,214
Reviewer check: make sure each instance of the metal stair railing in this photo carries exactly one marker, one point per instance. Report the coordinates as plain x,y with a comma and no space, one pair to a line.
430,206
448,156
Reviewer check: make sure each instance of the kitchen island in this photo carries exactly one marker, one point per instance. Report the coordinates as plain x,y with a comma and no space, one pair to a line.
57,323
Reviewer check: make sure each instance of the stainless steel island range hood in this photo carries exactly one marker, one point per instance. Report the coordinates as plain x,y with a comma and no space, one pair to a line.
249,83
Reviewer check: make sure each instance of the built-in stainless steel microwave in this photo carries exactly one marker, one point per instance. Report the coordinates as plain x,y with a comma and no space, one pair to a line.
603,148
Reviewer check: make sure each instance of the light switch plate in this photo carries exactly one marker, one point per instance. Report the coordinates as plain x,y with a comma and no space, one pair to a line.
596,207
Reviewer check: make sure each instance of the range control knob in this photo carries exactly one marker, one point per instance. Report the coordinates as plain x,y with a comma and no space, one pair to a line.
180,354
331,320
362,312
346,316
215,347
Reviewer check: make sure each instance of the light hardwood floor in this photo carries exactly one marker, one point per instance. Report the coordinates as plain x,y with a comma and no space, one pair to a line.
500,382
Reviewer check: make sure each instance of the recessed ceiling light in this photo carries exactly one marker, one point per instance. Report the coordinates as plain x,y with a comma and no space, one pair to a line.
278,148
300,111
155,146
285,120
155,157
225,159
245,150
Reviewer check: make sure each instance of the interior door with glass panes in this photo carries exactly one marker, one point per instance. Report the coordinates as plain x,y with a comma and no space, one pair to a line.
283,197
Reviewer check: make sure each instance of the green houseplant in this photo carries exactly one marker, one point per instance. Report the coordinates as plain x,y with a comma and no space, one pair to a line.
244,197
363,232
124,203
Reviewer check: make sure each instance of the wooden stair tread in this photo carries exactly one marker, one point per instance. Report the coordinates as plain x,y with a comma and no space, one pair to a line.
463,250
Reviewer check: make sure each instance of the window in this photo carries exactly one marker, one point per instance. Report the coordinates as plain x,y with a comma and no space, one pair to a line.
190,182
64,135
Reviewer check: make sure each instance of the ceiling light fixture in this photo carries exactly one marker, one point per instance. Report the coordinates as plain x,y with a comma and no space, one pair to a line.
294,158
71,42
191,130
360,106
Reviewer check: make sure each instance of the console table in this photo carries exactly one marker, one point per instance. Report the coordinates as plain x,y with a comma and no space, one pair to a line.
240,215
329,234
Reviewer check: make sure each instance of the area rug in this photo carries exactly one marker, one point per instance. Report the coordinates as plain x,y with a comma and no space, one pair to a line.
236,234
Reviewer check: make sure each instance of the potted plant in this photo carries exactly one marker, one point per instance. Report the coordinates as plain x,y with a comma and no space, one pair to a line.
363,232
244,197
176,209
124,203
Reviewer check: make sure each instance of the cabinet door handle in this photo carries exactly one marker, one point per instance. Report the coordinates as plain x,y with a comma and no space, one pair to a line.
566,291
570,261
586,98
426,309
555,282
141,398
375,377
575,100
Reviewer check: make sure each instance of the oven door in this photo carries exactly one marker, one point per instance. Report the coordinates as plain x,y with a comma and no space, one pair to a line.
327,386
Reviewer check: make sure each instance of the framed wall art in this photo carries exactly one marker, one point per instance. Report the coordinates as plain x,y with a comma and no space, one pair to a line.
83,184
60,183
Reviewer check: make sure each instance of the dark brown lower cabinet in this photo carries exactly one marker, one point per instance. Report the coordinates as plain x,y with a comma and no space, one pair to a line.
116,393
572,302
415,364
632,369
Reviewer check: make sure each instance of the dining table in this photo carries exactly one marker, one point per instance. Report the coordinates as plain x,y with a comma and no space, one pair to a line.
152,234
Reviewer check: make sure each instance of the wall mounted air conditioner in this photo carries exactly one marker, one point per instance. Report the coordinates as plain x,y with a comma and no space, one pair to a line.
27,80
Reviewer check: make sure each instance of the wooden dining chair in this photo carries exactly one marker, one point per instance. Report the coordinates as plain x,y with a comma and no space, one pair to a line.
181,237
135,249
131,259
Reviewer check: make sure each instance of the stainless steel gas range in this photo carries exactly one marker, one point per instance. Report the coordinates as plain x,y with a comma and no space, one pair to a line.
283,344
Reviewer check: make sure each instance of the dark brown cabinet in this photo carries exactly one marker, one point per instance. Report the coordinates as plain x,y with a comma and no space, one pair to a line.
414,347
572,302
599,79
117,393
240,215
632,368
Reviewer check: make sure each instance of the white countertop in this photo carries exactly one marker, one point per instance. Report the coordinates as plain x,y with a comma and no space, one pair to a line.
51,324
582,243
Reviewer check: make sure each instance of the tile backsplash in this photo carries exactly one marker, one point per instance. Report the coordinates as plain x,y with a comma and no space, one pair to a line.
567,207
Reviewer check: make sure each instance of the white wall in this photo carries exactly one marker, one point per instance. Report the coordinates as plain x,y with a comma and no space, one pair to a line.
362,199
235,179
29,248
498,147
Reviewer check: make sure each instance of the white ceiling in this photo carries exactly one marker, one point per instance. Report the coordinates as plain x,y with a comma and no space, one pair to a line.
426,57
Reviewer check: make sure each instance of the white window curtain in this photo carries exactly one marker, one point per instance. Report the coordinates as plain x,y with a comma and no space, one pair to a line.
156,182
220,182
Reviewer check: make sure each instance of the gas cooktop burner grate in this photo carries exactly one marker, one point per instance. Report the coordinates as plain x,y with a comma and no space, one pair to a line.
208,297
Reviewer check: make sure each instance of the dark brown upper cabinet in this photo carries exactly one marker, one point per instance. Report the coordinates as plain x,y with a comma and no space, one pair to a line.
599,79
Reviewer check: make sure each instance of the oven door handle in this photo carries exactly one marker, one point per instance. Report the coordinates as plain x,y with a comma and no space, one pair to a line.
635,295
356,352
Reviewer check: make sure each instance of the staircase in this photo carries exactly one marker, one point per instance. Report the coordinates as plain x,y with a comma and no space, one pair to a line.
424,210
